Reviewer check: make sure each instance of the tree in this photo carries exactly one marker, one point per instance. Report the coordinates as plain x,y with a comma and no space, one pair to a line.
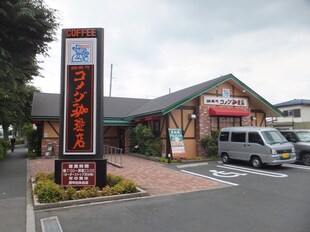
26,26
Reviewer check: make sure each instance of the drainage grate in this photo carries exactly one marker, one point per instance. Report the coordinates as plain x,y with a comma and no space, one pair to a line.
51,224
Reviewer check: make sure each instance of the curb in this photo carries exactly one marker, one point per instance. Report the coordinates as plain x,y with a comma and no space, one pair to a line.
192,165
30,217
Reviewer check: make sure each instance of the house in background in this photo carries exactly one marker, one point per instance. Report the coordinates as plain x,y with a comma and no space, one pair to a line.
196,111
295,115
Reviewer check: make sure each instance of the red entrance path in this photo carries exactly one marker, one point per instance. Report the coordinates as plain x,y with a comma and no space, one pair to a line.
149,175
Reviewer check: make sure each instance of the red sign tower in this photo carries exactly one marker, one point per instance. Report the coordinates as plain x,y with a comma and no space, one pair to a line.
81,161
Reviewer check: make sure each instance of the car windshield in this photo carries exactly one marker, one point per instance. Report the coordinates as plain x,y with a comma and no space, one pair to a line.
273,137
304,136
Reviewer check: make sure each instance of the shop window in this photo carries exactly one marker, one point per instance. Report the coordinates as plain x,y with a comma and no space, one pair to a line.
217,123
238,137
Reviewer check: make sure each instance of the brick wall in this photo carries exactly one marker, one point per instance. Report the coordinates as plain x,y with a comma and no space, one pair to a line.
202,128
53,141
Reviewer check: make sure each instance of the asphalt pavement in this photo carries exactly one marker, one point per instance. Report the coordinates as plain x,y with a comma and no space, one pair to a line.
14,211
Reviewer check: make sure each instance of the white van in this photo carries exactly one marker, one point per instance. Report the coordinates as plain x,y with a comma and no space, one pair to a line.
259,145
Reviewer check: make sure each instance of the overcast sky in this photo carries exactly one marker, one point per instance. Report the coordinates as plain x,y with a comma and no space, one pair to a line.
157,45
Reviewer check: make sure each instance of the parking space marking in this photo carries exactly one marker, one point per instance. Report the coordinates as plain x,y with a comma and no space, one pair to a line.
209,177
256,172
226,174
296,166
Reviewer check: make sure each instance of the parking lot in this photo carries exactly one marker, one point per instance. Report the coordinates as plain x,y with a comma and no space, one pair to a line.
269,199
288,180
240,173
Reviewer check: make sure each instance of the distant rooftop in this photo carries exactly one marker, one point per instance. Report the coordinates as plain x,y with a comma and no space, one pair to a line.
294,102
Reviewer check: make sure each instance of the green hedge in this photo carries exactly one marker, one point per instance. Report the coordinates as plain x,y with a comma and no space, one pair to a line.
4,146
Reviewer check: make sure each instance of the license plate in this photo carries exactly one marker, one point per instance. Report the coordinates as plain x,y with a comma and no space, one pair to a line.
285,156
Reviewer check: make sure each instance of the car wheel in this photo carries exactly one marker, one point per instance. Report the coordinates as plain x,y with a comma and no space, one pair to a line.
306,159
256,162
225,158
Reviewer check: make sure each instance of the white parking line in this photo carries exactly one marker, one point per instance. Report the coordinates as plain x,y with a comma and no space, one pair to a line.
209,177
257,172
296,166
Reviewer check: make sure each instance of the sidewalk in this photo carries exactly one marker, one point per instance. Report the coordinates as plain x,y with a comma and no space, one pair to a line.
151,176
13,185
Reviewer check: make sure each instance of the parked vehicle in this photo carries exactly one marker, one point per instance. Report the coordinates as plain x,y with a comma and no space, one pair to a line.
259,145
301,141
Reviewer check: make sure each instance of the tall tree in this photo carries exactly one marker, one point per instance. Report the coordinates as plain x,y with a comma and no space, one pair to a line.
26,29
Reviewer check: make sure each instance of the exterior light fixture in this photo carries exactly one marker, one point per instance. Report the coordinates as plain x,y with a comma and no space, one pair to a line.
192,116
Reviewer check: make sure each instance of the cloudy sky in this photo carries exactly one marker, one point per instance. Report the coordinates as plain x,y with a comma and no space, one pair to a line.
157,45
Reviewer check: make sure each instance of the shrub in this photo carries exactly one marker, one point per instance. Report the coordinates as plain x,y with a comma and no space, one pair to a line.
107,191
42,176
128,186
4,146
143,141
113,180
117,189
81,194
71,193
47,191
210,143
93,191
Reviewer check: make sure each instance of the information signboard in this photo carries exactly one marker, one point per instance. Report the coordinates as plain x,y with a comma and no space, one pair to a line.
77,174
177,143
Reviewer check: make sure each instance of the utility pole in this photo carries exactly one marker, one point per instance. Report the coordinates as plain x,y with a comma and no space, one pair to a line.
111,80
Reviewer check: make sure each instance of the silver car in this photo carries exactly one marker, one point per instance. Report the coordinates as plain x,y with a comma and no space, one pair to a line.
259,145
301,141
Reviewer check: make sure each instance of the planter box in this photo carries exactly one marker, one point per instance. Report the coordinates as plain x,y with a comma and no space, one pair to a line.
40,206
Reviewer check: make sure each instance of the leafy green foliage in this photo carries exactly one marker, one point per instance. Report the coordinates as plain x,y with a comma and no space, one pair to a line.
143,141
210,143
4,146
43,176
127,186
27,26
47,191
113,180
71,193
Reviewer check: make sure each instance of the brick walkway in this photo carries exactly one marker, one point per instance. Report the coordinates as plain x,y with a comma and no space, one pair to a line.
151,176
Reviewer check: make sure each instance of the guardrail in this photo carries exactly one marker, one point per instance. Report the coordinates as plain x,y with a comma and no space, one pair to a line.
114,155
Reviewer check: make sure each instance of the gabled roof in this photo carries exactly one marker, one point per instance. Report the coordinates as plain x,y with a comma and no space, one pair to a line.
118,107
45,106
294,102
165,104
120,111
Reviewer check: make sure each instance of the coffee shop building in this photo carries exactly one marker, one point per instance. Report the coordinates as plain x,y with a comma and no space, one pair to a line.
196,111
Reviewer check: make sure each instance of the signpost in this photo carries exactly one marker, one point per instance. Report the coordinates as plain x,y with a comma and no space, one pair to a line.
81,162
